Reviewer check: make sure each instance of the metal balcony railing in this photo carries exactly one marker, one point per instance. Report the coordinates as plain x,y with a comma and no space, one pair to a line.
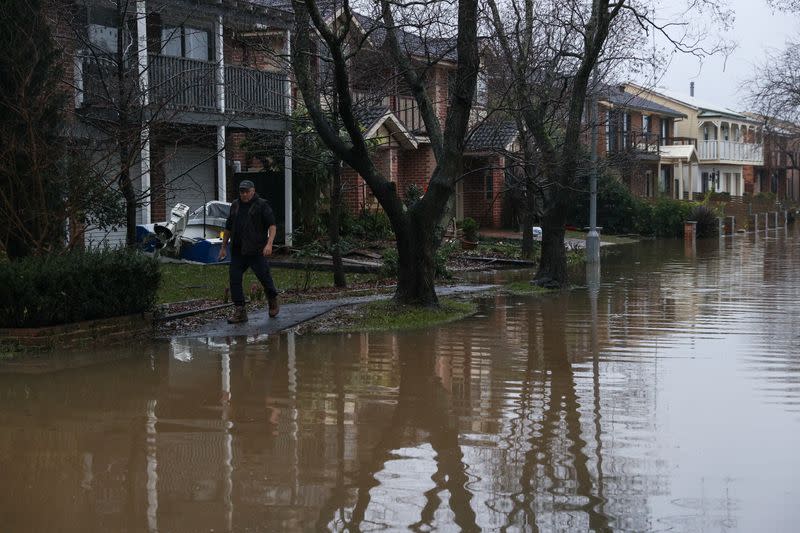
179,83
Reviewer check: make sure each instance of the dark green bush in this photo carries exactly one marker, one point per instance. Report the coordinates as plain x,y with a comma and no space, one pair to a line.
617,207
707,221
49,290
469,226
668,217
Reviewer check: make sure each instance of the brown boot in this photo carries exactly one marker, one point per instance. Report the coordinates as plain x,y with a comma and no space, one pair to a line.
239,315
274,308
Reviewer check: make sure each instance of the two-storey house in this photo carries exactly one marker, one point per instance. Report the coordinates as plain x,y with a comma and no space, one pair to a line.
390,117
170,91
728,144
635,135
780,174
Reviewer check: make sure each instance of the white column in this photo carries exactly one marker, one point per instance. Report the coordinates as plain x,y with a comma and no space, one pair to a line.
680,180
691,180
287,153
220,94
658,180
144,83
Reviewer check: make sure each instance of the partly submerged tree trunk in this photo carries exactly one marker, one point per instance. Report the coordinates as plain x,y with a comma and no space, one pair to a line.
552,271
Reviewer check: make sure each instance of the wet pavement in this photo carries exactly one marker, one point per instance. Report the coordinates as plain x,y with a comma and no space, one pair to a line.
664,396
292,315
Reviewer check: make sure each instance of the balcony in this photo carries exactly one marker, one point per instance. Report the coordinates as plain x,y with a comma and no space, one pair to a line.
180,84
638,144
730,151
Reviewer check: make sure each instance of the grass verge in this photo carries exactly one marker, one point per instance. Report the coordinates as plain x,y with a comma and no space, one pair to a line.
180,282
524,288
389,316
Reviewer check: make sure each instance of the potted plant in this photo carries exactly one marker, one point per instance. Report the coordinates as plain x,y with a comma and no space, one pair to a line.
469,234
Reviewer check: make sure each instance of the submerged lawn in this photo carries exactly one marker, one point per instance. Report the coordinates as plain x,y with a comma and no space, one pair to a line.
181,282
387,315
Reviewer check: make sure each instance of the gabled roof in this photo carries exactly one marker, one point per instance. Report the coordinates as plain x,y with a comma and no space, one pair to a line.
703,108
679,152
372,118
493,136
619,98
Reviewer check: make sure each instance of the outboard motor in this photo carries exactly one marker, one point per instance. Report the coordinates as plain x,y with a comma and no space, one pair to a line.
169,233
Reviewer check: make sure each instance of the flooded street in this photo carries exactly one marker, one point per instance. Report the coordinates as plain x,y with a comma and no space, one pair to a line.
666,397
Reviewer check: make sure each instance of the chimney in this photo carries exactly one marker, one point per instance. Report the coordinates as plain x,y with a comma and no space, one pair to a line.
691,88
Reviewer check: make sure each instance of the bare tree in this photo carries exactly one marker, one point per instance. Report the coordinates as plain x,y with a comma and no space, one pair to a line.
417,227
43,180
554,56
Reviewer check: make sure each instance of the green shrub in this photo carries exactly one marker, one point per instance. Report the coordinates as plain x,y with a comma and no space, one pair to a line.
391,261
469,226
49,290
669,216
617,207
369,225
707,221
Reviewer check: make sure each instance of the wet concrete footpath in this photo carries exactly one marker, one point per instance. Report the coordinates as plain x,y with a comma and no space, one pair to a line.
292,315
663,395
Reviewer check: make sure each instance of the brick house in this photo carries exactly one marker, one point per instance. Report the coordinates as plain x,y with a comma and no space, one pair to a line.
728,144
635,136
198,78
391,119
780,174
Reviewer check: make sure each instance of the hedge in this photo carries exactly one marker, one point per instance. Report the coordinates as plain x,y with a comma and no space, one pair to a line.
59,289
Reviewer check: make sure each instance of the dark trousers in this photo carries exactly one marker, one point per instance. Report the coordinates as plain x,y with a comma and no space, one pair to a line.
260,266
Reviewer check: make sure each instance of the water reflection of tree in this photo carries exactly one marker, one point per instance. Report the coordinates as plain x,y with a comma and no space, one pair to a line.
549,397
423,404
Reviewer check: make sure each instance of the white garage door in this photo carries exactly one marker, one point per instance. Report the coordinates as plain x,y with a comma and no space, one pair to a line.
189,176
95,237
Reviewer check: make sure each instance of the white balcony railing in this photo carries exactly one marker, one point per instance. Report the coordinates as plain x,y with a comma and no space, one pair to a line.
730,151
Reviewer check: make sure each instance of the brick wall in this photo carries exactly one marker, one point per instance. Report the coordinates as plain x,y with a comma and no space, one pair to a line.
415,166
254,52
749,175
482,190
105,331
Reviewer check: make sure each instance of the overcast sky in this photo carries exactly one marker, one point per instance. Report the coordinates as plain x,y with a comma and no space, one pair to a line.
756,28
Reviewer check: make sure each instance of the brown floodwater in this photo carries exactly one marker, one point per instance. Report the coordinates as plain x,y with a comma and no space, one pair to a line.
664,396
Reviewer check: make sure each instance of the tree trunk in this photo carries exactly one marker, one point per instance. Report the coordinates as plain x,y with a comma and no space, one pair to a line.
552,270
416,248
527,233
339,279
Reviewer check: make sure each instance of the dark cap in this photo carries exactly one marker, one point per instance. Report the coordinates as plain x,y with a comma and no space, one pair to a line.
246,184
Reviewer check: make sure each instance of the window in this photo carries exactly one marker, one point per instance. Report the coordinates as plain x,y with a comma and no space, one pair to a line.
489,185
102,29
664,130
103,37
705,133
482,90
626,122
608,131
181,41
646,123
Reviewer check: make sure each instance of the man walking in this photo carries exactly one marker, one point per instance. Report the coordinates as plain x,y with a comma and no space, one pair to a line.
251,230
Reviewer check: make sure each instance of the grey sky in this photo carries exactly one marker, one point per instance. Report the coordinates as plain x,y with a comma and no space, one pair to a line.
756,29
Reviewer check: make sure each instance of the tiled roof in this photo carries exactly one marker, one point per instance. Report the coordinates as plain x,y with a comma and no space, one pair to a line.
492,136
368,116
618,97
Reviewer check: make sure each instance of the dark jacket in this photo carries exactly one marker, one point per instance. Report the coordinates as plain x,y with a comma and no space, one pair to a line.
255,229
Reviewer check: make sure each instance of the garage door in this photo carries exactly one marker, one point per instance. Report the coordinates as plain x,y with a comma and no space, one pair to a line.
189,176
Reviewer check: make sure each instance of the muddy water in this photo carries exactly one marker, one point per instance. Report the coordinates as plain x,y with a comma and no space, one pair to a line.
663,397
